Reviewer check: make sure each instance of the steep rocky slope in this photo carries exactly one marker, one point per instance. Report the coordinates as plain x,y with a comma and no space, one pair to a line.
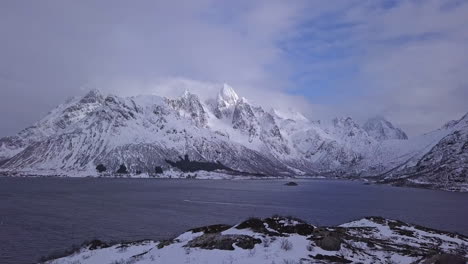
444,166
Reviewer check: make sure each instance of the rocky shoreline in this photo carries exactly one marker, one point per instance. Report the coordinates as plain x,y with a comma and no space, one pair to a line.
286,240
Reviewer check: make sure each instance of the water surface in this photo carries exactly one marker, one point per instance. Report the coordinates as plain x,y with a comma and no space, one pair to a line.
39,216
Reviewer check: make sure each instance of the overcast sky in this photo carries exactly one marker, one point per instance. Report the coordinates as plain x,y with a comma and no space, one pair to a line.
405,60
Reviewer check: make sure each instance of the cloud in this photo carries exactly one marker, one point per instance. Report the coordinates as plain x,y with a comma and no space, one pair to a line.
402,59
416,68
52,49
406,61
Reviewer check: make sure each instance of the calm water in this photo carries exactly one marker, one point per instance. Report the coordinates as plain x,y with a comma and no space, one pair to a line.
39,216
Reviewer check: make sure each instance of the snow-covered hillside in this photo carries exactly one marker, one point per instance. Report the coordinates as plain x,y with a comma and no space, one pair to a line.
445,163
144,132
287,240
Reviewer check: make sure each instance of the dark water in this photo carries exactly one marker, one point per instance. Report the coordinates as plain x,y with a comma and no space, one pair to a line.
41,215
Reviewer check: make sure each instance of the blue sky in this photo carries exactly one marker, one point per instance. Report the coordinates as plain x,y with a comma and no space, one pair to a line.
357,58
405,60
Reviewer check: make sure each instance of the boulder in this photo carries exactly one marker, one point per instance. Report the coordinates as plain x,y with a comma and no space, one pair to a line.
223,242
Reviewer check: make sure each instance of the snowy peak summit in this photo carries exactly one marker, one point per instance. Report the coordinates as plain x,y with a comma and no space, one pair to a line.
381,129
344,122
227,96
226,102
288,114
462,122
93,96
186,93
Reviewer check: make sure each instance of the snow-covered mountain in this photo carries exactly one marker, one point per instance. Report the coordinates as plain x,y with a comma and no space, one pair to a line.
140,132
445,163
381,129
148,133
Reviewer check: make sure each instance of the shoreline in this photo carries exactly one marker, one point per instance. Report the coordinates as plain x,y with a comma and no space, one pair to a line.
400,183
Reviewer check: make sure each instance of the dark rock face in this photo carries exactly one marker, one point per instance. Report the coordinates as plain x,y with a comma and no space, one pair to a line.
328,239
223,242
277,226
329,243
289,225
101,168
187,165
256,225
445,259
211,229
331,259
95,244
158,170
165,243
122,169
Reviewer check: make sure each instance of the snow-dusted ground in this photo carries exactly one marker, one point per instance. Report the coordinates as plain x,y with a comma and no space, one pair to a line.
286,240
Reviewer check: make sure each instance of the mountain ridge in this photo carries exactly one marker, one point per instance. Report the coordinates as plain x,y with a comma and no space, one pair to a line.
144,131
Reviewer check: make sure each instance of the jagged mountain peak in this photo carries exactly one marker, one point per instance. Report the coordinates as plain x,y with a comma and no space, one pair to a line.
344,122
463,121
465,117
94,92
349,131
187,96
227,96
450,124
188,105
381,129
226,101
93,96
243,100
187,93
288,114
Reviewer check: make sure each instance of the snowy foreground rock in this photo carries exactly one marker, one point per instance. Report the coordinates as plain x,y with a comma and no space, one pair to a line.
284,240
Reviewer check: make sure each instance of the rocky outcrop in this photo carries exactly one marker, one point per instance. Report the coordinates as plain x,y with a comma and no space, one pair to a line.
190,107
276,239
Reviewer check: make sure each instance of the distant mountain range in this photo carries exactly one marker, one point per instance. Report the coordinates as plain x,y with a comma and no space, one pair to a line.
146,134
